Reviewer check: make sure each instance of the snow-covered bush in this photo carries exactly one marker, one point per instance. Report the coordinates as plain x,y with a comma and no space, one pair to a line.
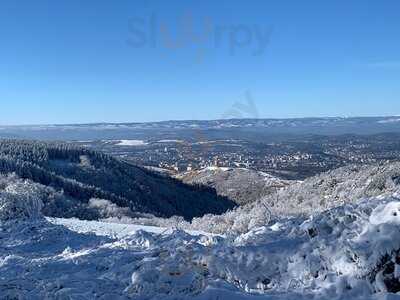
20,200
236,221
107,209
229,223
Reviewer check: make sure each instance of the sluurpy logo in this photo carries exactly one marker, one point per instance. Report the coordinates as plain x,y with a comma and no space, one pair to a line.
200,35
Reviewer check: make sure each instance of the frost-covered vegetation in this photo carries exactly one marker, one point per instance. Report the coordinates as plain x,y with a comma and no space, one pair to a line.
315,194
336,187
79,174
15,191
349,252
19,200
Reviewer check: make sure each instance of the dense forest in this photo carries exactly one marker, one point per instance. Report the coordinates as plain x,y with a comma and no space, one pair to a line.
81,175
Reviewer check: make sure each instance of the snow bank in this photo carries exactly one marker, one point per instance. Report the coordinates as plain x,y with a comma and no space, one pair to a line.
350,252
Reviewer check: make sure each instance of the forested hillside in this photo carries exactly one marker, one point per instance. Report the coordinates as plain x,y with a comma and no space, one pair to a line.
81,174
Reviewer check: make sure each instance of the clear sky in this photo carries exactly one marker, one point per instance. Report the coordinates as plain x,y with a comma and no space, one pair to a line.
72,61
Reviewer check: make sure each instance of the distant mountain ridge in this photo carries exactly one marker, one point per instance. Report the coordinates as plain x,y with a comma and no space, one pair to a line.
318,125
217,123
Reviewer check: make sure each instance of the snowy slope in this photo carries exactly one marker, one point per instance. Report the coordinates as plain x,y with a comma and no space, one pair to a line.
315,194
350,252
238,184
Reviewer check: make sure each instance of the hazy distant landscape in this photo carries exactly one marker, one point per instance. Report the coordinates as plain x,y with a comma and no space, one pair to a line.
290,148
248,129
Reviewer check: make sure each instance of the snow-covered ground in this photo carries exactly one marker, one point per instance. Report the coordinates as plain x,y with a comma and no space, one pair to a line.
171,141
131,143
350,252
114,230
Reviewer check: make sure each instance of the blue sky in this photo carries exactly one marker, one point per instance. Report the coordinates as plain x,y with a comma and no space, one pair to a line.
72,61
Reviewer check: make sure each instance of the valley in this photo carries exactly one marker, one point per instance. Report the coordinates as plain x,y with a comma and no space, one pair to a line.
199,214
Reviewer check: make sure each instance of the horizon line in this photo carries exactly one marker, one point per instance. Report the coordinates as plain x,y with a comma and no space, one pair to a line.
197,120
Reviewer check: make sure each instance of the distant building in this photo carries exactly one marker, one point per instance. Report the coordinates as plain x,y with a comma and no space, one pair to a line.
180,167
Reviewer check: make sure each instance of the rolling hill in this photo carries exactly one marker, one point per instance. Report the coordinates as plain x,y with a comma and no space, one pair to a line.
241,185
